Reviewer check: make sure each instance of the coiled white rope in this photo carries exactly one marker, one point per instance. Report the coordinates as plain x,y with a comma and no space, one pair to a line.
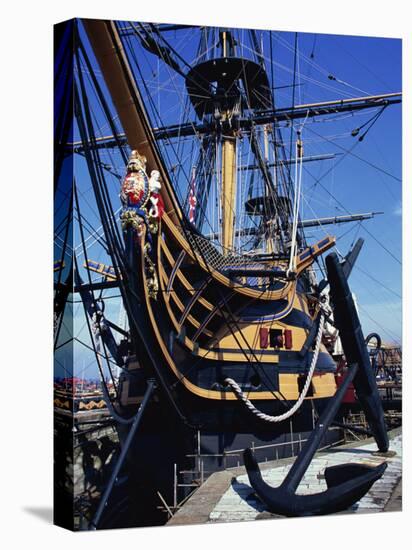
268,418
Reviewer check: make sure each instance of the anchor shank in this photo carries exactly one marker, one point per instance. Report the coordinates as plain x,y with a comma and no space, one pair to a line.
299,467
353,342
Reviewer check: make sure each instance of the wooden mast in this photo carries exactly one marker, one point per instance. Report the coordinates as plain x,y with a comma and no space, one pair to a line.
229,172
269,240
228,191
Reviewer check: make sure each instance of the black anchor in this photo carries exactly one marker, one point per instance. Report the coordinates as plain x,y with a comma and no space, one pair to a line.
346,483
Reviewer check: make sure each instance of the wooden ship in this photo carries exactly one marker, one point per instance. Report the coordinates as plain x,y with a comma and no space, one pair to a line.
226,341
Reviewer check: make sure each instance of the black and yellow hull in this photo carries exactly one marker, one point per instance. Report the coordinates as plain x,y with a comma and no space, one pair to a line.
203,327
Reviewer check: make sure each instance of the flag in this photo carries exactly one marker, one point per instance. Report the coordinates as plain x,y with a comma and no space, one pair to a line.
192,197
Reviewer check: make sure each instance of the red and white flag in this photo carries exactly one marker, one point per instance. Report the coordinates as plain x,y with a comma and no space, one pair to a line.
192,197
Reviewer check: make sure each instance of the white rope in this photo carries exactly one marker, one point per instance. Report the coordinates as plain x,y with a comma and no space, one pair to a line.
297,196
296,205
268,418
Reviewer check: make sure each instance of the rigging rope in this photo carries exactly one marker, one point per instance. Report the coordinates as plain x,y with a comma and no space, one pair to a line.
297,195
296,204
274,419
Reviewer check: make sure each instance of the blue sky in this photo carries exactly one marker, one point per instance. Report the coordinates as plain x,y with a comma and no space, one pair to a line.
369,181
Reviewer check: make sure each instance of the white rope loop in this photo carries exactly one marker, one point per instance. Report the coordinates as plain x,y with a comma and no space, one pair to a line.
268,418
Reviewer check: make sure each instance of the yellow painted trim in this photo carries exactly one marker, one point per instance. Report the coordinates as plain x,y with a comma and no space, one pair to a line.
101,270
324,385
316,251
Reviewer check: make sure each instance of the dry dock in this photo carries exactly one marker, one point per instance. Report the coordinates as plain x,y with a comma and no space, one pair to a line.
227,496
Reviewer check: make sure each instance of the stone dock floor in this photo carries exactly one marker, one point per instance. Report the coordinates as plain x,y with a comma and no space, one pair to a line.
227,496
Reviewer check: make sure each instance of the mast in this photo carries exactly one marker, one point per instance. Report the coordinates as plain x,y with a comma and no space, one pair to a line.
221,90
230,95
229,168
228,195
269,241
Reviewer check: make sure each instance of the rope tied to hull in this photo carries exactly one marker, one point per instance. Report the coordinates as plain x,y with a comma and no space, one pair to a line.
266,417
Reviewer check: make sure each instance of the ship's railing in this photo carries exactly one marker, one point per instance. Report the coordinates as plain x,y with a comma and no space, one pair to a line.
200,475
223,260
295,444
218,257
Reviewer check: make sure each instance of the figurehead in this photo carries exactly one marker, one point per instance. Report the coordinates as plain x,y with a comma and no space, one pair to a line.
135,188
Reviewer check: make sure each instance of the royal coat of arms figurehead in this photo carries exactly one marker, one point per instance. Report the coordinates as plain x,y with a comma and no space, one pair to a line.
135,188
140,196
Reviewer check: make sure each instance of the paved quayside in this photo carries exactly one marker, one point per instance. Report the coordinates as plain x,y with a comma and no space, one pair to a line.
227,496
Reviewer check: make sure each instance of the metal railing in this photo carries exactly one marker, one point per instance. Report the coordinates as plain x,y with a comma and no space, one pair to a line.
200,475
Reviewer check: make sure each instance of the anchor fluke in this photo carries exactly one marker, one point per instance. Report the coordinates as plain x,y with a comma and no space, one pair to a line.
335,475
